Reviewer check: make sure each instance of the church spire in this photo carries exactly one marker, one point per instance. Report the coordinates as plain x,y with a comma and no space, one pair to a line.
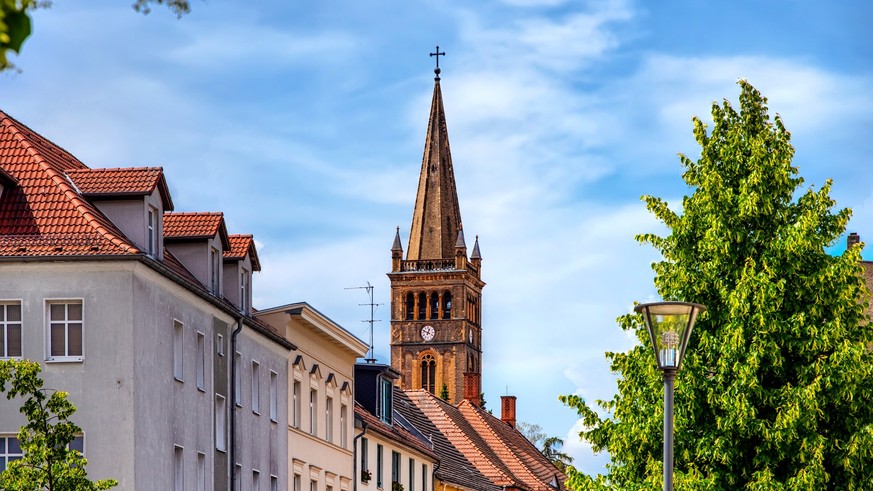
436,218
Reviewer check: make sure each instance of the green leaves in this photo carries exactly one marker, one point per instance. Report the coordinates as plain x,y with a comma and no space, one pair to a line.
777,386
48,463
14,27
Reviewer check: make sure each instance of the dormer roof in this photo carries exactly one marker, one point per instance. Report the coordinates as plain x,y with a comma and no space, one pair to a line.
121,183
183,227
240,245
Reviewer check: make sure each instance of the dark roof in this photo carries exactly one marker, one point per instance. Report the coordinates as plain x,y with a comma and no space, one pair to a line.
394,432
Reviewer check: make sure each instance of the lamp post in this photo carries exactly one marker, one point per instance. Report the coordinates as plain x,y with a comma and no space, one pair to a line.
669,325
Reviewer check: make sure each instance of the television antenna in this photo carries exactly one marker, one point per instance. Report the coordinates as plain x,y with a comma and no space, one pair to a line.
372,320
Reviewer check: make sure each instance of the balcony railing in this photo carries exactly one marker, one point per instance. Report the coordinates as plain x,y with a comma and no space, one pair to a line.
428,265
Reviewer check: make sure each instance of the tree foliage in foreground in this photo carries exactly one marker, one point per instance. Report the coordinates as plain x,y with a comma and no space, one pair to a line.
776,392
48,463
15,21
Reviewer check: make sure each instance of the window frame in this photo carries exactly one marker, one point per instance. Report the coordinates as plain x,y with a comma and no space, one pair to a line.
49,358
152,231
178,468
256,387
6,456
379,464
201,361
274,396
220,423
297,396
5,324
313,411
328,419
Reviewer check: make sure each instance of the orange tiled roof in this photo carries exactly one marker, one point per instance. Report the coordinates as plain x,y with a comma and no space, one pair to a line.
240,245
201,225
499,452
131,181
42,214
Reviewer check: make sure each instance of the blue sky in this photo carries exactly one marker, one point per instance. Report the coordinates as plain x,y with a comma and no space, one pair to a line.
304,122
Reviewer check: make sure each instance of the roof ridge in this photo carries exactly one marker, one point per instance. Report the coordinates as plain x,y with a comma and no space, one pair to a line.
99,169
81,206
483,458
481,415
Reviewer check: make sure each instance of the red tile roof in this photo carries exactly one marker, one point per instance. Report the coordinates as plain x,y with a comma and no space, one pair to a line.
240,245
43,214
131,181
502,454
195,226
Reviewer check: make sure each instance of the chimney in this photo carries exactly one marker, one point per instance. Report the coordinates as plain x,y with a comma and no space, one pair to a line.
472,388
852,239
507,410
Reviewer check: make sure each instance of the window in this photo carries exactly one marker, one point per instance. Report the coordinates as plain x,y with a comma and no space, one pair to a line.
423,477
274,483
295,417
256,387
411,474
434,306
313,404
65,329
215,267
328,419
178,351
447,305
201,471
313,485
274,396
244,291
364,459
237,480
10,450
178,470
10,329
379,472
237,377
395,468
428,373
201,361
422,306
344,439
152,226
410,306
220,416
385,399
296,482
256,480
78,444
220,345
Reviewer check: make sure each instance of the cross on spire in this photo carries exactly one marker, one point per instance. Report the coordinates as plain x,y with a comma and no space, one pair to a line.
437,69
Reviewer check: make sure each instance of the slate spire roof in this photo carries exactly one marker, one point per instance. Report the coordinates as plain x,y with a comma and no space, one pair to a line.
43,213
436,218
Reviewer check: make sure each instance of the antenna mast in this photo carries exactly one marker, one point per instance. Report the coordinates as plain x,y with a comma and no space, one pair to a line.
372,320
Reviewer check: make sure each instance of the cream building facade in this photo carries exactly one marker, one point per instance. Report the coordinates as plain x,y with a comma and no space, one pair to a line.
320,397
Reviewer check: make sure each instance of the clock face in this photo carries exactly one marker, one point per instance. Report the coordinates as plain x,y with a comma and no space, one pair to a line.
427,333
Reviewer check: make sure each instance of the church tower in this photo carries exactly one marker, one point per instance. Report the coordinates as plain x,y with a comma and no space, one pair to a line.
436,292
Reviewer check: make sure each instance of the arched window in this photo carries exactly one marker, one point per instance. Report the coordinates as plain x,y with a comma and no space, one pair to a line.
447,305
428,373
434,305
410,306
422,306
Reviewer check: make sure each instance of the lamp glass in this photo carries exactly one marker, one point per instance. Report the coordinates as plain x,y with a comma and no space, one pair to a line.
669,325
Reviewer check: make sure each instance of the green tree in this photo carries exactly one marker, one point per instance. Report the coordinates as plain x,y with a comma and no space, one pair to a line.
552,451
444,393
532,431
15,21
776,392
48,463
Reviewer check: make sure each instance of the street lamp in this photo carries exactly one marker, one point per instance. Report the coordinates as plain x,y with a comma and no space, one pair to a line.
669,325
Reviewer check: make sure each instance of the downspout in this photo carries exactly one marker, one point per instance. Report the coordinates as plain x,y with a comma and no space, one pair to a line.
355,456
434,471
233,397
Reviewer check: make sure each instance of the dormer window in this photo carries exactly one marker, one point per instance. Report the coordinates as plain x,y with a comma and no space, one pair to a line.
386,396
152,233
244,292
215,261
